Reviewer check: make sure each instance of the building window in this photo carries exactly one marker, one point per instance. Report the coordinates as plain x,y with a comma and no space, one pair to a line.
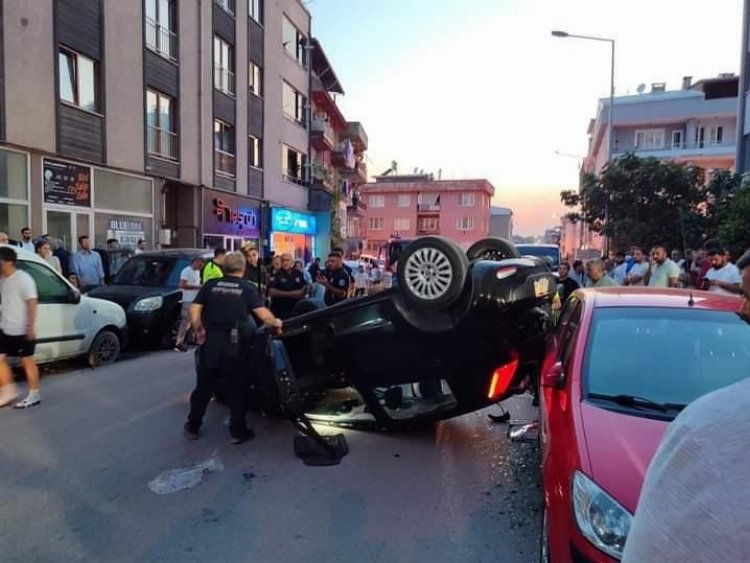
464,223
294,42
401,224
428,225
649,139
253,9
377,201
255,152
466,199
161,27
226,5
293,165
717,135
293,104
403,200
160,114
223,147
376,223
676,139
223,66
78,80
254,76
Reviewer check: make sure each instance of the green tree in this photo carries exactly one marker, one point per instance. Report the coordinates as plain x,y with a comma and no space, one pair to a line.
641,201
727,211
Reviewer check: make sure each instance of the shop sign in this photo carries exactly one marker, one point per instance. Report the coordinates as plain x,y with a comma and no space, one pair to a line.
66,183
287,221
127,232
231,216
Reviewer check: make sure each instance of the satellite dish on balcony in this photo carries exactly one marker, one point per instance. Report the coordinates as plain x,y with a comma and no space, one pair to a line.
641,88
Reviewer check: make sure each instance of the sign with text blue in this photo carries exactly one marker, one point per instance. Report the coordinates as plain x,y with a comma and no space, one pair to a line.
287,221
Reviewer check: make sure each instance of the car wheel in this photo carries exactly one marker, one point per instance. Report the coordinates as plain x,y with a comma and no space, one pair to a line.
492,248
105,349
307,306
544,540
432,272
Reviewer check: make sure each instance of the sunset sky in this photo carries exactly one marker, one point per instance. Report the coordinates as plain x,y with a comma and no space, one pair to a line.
479,88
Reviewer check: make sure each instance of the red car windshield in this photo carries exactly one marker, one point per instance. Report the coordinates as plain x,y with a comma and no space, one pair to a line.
668,356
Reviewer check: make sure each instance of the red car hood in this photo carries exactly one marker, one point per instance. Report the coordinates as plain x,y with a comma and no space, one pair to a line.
619,448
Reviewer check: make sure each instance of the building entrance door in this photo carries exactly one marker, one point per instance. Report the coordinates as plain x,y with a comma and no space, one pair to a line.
67,226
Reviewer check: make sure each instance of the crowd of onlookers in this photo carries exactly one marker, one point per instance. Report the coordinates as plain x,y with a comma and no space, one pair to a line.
709,269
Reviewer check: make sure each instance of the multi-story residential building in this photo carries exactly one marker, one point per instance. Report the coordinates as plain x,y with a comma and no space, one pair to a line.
353,178
178,122
410,206
501,222
695,124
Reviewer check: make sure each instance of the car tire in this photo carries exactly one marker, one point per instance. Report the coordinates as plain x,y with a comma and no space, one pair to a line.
432,272
307,306
104,349
492,248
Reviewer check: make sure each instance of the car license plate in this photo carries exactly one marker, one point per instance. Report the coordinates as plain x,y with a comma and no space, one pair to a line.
541,287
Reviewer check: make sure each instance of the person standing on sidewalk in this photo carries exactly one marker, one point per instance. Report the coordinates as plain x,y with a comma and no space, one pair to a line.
190,283
361,281
17,330
286,288
87,265
220,317
213,268
663,272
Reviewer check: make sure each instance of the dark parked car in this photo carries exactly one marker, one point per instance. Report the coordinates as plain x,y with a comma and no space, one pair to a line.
462,330
147,287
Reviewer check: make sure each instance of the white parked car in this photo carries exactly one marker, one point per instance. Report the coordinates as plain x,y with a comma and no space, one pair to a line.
70,324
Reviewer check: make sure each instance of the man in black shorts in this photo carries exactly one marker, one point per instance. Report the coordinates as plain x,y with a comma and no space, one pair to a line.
220,317
17,333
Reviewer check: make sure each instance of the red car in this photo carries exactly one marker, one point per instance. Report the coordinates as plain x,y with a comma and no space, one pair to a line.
620,366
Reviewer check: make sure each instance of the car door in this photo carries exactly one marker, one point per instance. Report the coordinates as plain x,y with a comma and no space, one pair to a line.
59,330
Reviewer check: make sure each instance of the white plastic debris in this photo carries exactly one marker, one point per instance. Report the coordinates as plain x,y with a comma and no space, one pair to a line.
175,480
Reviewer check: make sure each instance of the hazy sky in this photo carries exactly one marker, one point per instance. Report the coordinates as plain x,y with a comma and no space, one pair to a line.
479,88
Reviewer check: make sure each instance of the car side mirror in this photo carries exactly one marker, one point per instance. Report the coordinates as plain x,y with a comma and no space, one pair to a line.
74,296
554,377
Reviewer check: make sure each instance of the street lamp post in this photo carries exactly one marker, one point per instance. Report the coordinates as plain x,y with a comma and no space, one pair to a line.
610,125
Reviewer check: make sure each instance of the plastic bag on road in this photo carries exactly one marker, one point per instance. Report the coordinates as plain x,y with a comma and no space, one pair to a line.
175,480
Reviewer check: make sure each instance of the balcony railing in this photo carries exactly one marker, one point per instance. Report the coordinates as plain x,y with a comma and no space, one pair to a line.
224,162
428,231
713,146
224,80
162,143
161,40
323,127
428,207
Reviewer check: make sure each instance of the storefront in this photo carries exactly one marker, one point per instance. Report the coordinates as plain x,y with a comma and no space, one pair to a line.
14,192
229,220
293,232
81,200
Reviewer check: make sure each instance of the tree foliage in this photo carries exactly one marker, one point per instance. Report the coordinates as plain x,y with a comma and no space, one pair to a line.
645,201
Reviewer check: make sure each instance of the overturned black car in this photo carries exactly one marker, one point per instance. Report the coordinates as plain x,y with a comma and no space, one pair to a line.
460,332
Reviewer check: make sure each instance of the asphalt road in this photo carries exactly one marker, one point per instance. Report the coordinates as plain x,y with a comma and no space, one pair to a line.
75,475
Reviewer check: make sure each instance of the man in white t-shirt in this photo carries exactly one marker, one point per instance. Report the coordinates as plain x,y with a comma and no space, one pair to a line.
17,333
190,283
663,272
724,277
637,273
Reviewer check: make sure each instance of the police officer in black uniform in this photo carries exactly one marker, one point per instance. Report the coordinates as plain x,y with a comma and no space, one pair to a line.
286,287
220,316
335,279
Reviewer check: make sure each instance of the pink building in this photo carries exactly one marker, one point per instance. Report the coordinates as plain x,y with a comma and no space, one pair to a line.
411,206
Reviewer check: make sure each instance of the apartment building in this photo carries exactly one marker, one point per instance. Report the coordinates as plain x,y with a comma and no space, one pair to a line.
695,124
416,205
180,122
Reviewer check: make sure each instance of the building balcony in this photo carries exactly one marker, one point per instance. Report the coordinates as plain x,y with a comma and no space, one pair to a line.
428,208
323,175
356,133
358,174
357,206
161,40
680,150
323,135
428,231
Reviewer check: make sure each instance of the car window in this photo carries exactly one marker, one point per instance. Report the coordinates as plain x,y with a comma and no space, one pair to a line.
49,286
161,271
665,355
570,331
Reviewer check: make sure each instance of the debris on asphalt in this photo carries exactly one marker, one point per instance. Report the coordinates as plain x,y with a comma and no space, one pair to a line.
175,480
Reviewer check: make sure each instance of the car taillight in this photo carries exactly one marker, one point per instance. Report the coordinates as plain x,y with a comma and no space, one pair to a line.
502,377
505,272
